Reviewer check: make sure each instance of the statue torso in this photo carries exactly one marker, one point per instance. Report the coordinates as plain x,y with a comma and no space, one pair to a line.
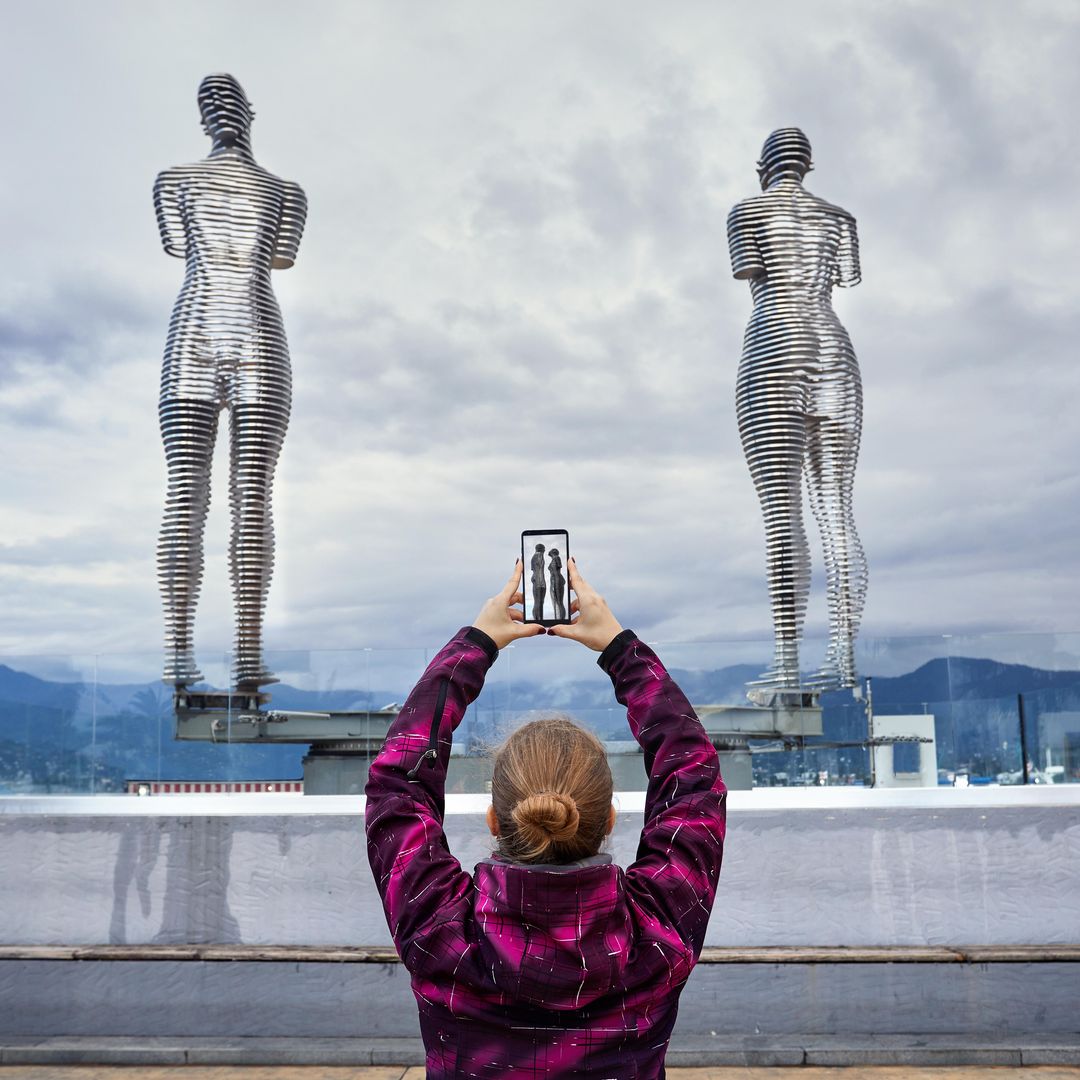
230,209
795,242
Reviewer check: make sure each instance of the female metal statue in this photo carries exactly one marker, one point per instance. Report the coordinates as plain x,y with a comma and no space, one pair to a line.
232,222
799,403
558,583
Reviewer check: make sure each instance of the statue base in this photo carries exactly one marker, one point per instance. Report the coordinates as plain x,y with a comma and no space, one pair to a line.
788,715
228,701
341,744
798,698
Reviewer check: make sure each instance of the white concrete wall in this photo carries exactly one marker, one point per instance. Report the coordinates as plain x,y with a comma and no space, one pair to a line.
920,724
826,866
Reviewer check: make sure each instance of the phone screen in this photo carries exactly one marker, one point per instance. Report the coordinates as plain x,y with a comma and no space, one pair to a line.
545,582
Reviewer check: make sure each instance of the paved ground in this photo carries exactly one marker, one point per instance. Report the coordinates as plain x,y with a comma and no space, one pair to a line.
395,1072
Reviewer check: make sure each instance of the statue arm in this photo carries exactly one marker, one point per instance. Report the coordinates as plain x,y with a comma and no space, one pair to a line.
848,272
167,209
290,227
746,260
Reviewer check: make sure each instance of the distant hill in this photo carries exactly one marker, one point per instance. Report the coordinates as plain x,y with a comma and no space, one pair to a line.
959,678
18,686
76,699
54,735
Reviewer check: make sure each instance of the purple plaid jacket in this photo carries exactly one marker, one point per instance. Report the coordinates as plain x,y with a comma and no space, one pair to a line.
530,971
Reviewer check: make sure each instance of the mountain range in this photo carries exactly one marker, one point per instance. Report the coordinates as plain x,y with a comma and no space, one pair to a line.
57,735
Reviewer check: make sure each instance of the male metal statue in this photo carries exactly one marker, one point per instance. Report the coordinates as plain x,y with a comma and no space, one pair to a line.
799,403
232,222
539,582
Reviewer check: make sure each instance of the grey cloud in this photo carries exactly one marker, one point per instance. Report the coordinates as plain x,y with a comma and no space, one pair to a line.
512,195
489,383
43,413
534,281
604,193
649,185
82,548
954,99
73,325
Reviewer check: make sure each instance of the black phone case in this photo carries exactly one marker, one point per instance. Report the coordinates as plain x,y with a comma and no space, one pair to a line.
525,566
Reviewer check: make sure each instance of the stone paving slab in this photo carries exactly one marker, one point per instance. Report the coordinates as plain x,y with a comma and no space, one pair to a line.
75,1050
888,1072
205,1072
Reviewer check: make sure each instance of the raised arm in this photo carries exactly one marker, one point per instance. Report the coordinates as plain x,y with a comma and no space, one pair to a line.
167,209
415,873
682,844
746,260
290,227
848,271
678,860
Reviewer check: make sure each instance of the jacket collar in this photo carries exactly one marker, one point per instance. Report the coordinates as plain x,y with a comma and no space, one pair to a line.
603,859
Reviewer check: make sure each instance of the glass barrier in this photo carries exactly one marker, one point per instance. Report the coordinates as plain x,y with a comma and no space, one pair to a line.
982,705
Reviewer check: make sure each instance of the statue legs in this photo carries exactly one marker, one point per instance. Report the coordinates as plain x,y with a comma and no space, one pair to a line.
774,442
256,432
830,475
560,607
188,429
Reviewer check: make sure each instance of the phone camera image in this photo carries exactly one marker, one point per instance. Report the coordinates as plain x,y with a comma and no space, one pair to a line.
545,582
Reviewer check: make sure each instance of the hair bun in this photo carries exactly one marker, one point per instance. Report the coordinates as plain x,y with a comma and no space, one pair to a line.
547,818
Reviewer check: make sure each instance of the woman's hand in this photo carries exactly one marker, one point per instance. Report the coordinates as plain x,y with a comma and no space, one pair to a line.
594,625
500,618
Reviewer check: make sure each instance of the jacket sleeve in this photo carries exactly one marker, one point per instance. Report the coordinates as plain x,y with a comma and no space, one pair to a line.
674,877
415,873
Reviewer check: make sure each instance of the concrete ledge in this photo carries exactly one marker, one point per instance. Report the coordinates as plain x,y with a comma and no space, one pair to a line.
1051,1054
746,1050
106,1050
381,954
913,1052
287,999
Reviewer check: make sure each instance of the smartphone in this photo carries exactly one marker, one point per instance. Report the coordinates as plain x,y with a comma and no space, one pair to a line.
545,581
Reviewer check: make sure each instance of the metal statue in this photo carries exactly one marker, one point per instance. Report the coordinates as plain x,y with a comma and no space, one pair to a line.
232,222
558,583
799,404
539,582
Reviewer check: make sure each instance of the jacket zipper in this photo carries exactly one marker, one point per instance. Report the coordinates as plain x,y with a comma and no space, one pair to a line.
432,750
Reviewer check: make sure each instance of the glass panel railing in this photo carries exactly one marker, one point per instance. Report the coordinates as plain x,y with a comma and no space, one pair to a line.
97,724
1052,732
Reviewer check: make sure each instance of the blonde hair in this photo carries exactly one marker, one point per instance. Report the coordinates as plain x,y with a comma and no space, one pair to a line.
551,789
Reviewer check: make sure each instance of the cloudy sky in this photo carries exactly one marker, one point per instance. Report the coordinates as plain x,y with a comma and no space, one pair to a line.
513,307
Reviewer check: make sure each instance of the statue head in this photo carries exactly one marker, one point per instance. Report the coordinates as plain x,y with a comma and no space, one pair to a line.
540,548
785,155
226,111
